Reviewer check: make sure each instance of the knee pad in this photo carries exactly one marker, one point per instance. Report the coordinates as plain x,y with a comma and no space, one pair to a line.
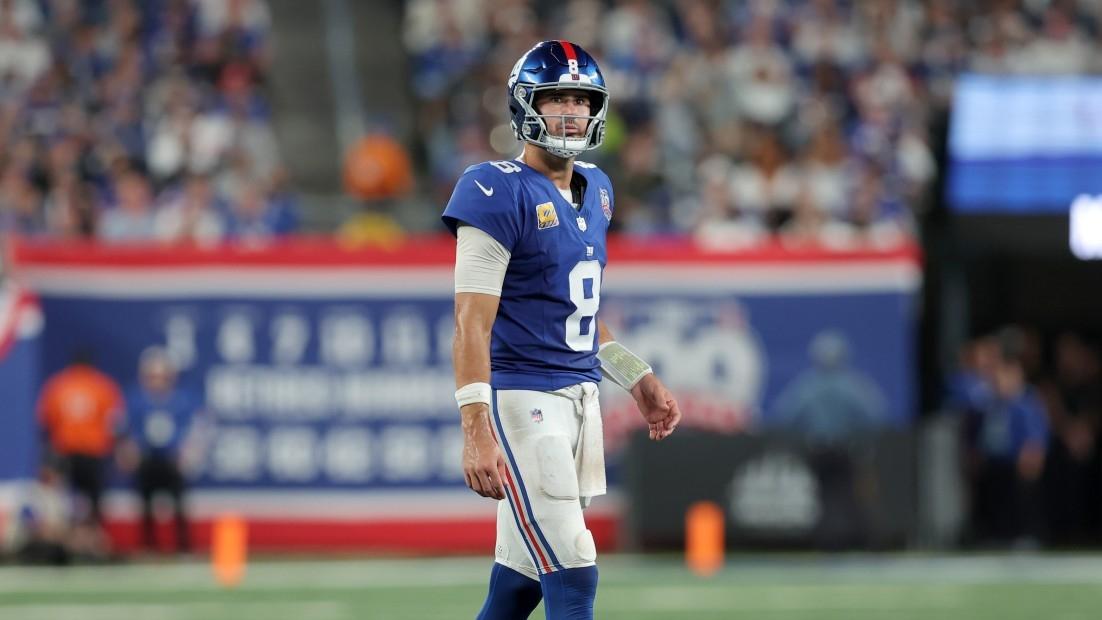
558,481
585,547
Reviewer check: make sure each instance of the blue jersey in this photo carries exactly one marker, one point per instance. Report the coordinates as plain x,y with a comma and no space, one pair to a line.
545,333
159,423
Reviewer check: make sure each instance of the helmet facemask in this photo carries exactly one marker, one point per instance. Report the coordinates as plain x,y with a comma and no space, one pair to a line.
534,128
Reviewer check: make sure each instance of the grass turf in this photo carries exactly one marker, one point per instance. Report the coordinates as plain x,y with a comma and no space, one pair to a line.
897,587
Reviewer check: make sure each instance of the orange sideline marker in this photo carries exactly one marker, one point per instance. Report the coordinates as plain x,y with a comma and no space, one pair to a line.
704,538
229,549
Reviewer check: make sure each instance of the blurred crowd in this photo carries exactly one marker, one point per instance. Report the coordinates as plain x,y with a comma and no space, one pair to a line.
138,121
1031,409
733,120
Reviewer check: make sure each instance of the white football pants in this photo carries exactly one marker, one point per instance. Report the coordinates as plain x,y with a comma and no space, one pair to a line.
543,437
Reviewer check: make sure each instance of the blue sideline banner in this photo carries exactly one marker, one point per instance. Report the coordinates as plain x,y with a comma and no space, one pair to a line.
331,370
20,344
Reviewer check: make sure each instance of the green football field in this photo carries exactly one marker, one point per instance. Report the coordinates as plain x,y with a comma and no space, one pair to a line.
897,587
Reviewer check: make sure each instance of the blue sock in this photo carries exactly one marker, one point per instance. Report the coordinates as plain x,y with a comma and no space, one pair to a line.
512,596
569,594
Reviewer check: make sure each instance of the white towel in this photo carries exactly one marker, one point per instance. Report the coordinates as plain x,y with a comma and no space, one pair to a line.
589,458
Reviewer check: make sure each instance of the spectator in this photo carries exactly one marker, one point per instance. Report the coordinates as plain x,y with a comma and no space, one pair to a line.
443,40
811,225
944,50
131,218
823,31
255,217
169,148
26,14
20,202
875,217
759,76
191,213
161,417
68,209
24,57
638,44
641,196
968,384
232,30
80,410
1059,49
826,168
767,185
1073,397
721,223
1008,435
895,23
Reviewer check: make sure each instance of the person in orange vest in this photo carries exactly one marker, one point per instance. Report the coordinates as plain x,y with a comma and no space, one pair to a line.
81,413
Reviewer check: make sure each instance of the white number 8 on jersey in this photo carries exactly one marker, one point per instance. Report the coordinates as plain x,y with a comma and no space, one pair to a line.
586,307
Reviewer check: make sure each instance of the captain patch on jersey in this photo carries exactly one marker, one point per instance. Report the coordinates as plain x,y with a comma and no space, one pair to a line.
546,215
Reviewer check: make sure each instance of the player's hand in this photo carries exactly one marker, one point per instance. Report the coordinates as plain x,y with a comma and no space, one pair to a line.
483,465
658,406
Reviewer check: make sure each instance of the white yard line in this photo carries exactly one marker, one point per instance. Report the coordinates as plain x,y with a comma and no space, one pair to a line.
197,577
837,574
782,598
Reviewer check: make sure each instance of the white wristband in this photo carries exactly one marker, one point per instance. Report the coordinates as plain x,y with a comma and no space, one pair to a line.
621,366
473,393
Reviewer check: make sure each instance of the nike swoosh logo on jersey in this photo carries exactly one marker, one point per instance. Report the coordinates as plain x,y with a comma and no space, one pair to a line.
488,192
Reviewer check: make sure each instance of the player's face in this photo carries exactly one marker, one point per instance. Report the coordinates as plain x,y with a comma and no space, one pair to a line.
558,106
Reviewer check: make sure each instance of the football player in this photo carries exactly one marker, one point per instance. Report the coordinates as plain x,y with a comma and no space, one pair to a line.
529,347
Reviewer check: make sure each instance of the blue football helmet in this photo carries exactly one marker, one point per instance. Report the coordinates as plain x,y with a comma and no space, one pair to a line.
553,65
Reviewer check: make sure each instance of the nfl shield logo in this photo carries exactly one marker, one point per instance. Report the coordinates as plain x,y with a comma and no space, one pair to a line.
537,416
606,207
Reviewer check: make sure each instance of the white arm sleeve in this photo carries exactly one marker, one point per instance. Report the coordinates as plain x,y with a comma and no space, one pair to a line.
480,262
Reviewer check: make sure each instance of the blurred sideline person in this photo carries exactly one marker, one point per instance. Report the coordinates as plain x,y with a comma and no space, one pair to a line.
1008,436
80,410
830,407
43,530
160,417
1073,396
529,348
831,403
